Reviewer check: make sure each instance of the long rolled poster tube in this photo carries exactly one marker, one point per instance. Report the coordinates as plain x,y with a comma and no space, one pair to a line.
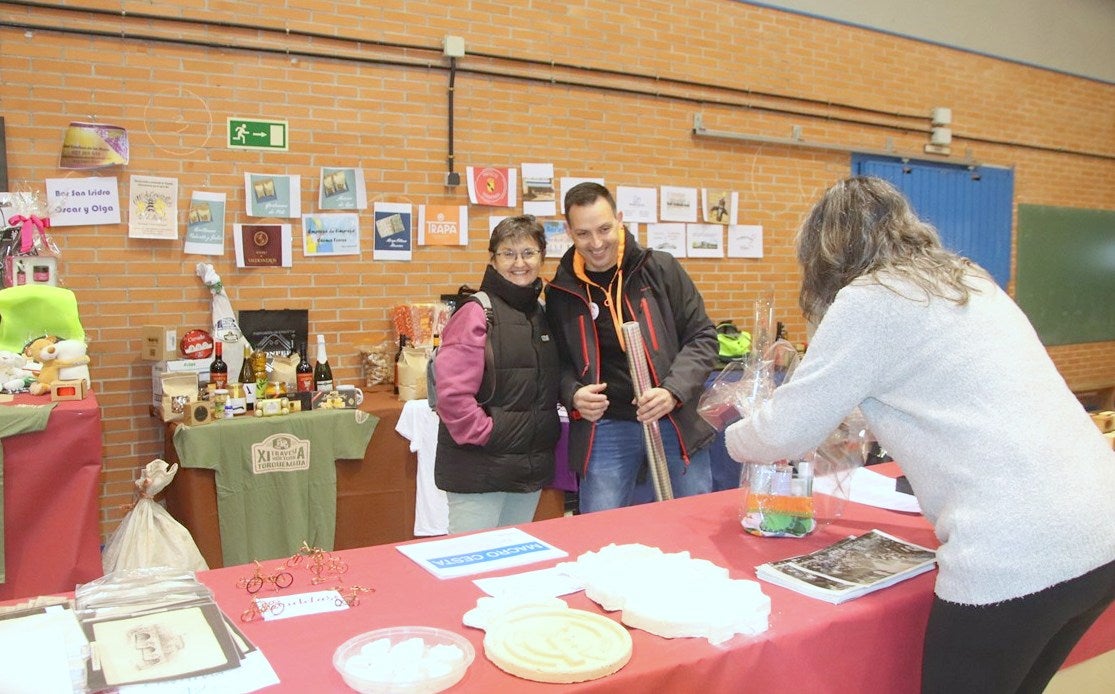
652,437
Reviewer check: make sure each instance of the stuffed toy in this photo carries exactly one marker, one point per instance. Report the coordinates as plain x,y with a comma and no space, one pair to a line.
64,360
14,376
32,349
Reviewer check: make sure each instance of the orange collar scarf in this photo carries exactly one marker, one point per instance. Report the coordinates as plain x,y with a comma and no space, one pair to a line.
613,301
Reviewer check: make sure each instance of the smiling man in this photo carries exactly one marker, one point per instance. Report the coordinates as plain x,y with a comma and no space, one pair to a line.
603,281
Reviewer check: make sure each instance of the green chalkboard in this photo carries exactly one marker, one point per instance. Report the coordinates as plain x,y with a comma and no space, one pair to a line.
1066,273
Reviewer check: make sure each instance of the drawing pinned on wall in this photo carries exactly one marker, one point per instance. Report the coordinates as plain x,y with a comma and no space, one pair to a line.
539,197
153,208
557,239
745,241
393,222
342,189
205,224
272,195
720,206
678,204
637,204
704,240
667,237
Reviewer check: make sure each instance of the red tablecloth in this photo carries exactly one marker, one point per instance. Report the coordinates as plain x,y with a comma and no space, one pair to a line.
52,483
870,644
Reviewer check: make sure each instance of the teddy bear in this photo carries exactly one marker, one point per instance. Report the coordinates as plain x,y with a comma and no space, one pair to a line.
64,360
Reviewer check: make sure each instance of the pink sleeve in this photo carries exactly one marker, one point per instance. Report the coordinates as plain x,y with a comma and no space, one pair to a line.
459,370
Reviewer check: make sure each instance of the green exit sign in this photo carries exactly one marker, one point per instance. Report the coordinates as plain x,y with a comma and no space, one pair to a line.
257,134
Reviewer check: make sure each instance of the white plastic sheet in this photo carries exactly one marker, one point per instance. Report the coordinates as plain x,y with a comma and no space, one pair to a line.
149,536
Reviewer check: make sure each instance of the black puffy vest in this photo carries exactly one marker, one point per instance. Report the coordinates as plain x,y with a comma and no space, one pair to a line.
519,456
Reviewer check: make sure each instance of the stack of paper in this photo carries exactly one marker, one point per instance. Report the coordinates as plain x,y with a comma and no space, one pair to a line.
159,627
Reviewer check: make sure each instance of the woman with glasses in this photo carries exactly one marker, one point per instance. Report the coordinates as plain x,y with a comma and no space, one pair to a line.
499,421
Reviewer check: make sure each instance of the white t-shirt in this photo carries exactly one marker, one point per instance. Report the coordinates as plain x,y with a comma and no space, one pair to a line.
418,424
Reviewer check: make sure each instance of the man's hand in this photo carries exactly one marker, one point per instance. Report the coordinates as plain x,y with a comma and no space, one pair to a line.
654,404
590,401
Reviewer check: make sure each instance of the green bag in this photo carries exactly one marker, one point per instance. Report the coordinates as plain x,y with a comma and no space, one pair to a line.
734,343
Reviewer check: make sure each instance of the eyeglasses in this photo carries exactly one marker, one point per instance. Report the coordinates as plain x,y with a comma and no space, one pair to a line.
527,254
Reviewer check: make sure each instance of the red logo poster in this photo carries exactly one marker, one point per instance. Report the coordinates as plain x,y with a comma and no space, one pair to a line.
492,186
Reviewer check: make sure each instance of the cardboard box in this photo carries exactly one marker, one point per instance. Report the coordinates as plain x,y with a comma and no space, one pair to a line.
196,366
67,390
1104,421
175,408
200,412
160,342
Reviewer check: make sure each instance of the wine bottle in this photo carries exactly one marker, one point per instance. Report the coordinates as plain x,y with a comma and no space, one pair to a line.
218,370
323,375
248,379
304,373
398,358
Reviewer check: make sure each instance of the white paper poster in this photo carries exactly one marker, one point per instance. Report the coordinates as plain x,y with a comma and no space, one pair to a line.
678,204
83,201
704,240
153,212
539,196
667,237
745,241
205,224
637,204
331,234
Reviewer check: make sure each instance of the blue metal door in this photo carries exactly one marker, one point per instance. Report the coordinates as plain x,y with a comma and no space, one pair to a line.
971,208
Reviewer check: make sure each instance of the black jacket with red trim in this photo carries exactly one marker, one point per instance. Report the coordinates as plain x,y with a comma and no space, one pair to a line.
679,338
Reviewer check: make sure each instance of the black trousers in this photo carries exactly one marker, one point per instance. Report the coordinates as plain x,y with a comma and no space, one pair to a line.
1014,646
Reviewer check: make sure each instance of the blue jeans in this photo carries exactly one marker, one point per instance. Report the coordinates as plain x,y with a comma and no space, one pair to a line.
487,510
619,455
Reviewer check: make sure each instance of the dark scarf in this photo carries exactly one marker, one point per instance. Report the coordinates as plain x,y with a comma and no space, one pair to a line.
520,298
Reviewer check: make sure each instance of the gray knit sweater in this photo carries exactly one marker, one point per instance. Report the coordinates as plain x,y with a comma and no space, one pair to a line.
1016,480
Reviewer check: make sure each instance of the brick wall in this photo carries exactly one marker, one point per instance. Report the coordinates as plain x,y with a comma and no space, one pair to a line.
599,89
